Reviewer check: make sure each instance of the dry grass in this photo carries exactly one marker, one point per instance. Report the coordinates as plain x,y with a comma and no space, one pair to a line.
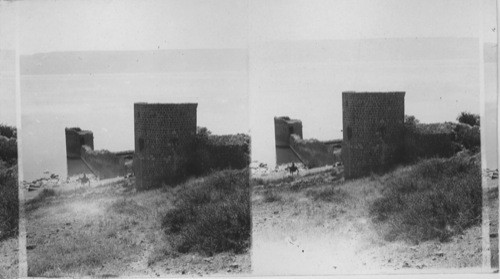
211,215
109,230
434,199
323,214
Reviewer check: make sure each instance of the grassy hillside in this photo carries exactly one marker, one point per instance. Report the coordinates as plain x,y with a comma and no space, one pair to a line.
375,221
434,199
113,230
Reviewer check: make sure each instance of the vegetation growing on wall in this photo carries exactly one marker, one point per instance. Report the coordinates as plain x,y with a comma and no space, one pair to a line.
439,139
213,152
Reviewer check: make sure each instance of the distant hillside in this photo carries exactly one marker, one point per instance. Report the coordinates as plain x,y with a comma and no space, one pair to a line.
98,62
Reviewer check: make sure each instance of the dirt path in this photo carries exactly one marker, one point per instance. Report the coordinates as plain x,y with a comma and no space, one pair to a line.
295,234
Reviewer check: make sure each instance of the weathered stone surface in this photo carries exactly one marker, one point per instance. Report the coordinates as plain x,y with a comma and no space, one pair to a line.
164,134
372,131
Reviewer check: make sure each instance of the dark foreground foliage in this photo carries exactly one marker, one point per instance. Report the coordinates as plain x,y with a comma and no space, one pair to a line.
9,191
8,131
8,145
469,118
9,203
434,199
212,215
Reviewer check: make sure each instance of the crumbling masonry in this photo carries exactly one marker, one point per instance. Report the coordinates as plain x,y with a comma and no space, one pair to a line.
373,131
164,134
76,138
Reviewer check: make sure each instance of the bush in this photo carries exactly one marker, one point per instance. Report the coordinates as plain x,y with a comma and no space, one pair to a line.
211,215
434,199
410,123
9,203
8,149
468,136
468,118
8,131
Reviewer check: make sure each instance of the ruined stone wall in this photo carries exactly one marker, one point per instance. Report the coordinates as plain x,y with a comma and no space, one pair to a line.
312,152
75,139
164,135
373,131
103,163
284,127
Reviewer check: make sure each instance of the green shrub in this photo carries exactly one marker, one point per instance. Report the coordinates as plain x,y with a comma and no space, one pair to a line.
8,150
8,131
433,199
468,136
468,118
211,215
9,203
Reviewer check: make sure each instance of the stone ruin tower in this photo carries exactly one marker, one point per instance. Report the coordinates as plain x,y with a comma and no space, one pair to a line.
372,131
284,127
163,137
75,139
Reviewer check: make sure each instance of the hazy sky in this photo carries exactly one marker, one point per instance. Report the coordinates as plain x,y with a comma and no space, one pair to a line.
361,19
131,25
142,25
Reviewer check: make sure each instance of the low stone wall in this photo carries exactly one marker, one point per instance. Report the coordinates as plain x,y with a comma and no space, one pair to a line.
211,153
313,153
439,140
103,163
419,145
